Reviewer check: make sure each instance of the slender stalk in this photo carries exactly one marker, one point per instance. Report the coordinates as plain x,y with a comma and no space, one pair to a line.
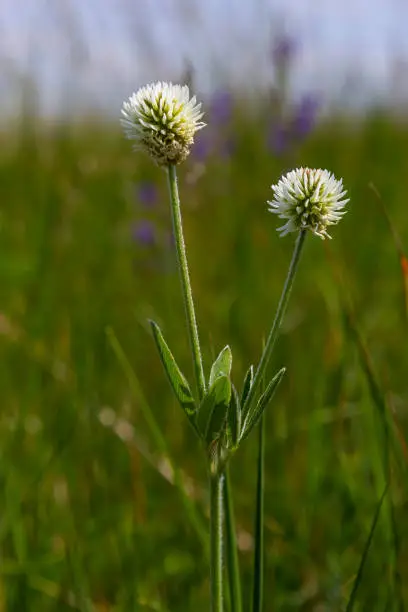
231,549
258,578
273,334
357,581
216,532
185,280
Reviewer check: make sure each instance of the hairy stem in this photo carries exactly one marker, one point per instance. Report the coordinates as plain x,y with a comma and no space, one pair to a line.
273,334
185,281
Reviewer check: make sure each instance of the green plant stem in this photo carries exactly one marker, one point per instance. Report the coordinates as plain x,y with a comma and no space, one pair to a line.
216,533
357,581
231,548
185,280
258,577
273,334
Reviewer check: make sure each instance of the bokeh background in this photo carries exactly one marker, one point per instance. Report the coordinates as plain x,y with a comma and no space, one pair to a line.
102,485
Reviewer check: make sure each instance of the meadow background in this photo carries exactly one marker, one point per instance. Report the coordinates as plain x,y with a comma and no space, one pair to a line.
93,516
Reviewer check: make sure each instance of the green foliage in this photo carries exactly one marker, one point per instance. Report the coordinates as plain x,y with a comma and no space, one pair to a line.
90,514
177,380
357,581
234,419
221,366
255,414
249,377
212,412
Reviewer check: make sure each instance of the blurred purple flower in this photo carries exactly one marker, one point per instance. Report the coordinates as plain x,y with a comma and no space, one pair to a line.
144,233
147,194
283,50
201,148
221,107
305,116
228,147
278,139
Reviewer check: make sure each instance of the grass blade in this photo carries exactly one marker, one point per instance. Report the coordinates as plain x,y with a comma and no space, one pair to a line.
357,581
231,548
403,261
388,440
159,440
258,577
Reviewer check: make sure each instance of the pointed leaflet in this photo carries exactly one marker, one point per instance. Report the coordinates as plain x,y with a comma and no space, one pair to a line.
253,417
217,423
234,419
249,377
177,379
221,366
213,409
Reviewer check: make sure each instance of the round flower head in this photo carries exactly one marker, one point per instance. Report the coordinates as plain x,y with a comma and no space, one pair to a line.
308,199
162,120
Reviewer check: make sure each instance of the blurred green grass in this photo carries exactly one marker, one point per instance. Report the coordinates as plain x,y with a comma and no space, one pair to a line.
89,517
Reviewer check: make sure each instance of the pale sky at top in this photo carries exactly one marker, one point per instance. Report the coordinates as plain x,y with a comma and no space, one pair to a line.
101,50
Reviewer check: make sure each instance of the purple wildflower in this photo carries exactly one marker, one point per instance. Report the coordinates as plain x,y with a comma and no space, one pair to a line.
147,194
278,139
201,148
221,107
305,115
283,50
144,233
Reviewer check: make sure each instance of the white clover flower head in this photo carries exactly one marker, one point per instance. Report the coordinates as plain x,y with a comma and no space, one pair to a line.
308,199
162,119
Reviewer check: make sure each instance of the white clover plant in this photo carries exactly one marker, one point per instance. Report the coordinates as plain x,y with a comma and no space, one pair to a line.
162,119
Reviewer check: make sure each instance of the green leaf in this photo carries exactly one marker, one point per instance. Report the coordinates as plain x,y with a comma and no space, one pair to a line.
160,441
234,418
177,380
221,366
213,409
254,416
249,377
